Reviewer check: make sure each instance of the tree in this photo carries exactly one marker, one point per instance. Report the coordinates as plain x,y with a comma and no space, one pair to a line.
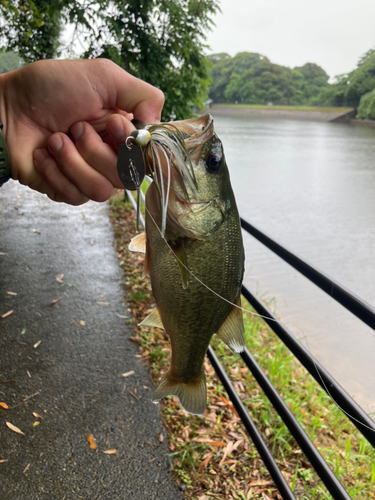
361,80
366,109
9,61
159,41
32,27
252,78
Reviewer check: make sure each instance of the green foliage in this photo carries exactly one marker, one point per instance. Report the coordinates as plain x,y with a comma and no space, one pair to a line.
159,41
251,78
162,42
9,61
348,89
366,109
32,28
361,80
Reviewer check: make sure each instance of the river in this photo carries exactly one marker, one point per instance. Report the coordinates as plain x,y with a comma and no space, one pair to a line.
311,186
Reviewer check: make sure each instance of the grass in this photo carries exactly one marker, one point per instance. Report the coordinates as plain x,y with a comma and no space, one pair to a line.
286,108
212,456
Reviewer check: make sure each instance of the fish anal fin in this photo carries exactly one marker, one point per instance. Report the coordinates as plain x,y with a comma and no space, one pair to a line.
153,319
192,394
138,243
232,330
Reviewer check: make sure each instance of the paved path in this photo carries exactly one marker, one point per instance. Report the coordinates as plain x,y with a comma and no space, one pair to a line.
74,375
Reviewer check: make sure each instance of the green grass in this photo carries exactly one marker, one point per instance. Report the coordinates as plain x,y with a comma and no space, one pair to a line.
285,108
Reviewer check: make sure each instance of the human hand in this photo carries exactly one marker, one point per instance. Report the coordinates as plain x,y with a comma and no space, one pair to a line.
63,123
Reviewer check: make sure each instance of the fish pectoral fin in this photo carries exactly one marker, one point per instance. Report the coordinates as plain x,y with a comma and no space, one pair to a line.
182,264
138,243
192,394
232,330
153,319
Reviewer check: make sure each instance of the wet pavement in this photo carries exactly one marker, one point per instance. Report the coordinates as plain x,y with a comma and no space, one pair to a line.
65,361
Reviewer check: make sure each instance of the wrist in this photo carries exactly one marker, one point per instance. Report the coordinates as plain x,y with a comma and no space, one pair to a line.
4,154
3,106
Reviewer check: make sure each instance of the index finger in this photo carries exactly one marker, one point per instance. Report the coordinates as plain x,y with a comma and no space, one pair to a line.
130,94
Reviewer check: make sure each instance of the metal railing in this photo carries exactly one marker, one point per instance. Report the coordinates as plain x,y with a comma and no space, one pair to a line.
359,418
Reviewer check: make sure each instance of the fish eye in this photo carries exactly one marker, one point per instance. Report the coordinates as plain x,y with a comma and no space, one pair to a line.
213,162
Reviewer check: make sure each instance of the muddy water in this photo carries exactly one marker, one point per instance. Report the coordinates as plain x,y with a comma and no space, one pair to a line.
311,186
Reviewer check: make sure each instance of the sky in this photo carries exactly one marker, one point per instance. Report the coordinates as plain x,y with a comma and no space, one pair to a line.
331,33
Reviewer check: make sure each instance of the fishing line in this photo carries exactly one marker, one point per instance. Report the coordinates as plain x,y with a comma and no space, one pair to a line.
260,316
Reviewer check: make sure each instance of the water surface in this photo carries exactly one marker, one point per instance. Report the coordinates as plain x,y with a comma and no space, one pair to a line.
311,186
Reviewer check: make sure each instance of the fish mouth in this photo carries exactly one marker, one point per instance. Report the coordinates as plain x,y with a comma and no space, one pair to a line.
194,206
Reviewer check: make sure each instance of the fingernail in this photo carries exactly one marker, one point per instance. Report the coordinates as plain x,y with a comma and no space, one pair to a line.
116,127
55,143
39,155
77,130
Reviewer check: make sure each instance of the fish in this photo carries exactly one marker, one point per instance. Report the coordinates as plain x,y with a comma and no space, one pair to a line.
193,253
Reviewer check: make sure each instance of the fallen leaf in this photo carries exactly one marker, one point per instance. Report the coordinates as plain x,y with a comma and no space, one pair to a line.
205,462
82,323
227,450
212,443
37,344
261,482
36,415
59,278
127,374
11,293
8,313
4,460
110,452
14,428
161,437
4,405
36,423
55,301
91,440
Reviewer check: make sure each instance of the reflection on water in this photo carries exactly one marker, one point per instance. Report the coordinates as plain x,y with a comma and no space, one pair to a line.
311,186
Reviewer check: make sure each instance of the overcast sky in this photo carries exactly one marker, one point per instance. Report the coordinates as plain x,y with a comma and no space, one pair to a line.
331,33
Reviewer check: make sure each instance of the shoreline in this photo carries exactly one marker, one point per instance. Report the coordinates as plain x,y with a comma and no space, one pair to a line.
343,115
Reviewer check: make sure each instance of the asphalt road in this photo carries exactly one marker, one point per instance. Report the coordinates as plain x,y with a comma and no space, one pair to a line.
68,360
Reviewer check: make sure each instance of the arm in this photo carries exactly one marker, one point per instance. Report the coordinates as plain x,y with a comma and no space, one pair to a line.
63,122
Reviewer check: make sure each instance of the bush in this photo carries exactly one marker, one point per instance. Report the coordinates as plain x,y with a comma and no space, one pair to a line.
366,109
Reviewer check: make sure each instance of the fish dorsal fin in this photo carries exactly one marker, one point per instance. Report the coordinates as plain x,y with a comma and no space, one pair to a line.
138,243
180,254
153,319
232,330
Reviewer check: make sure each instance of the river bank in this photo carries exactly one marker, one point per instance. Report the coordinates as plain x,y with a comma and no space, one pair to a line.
304,113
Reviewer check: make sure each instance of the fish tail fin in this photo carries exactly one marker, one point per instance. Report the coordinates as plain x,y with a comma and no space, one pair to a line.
192,394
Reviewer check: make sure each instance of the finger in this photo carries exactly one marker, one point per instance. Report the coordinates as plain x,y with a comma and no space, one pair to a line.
87,180
96,153
119,128
53,182
131,94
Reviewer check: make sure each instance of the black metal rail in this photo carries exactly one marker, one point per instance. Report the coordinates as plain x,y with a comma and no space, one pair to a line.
354,304
366,426
359,418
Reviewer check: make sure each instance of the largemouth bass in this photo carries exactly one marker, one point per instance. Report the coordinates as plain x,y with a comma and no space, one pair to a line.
194,254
